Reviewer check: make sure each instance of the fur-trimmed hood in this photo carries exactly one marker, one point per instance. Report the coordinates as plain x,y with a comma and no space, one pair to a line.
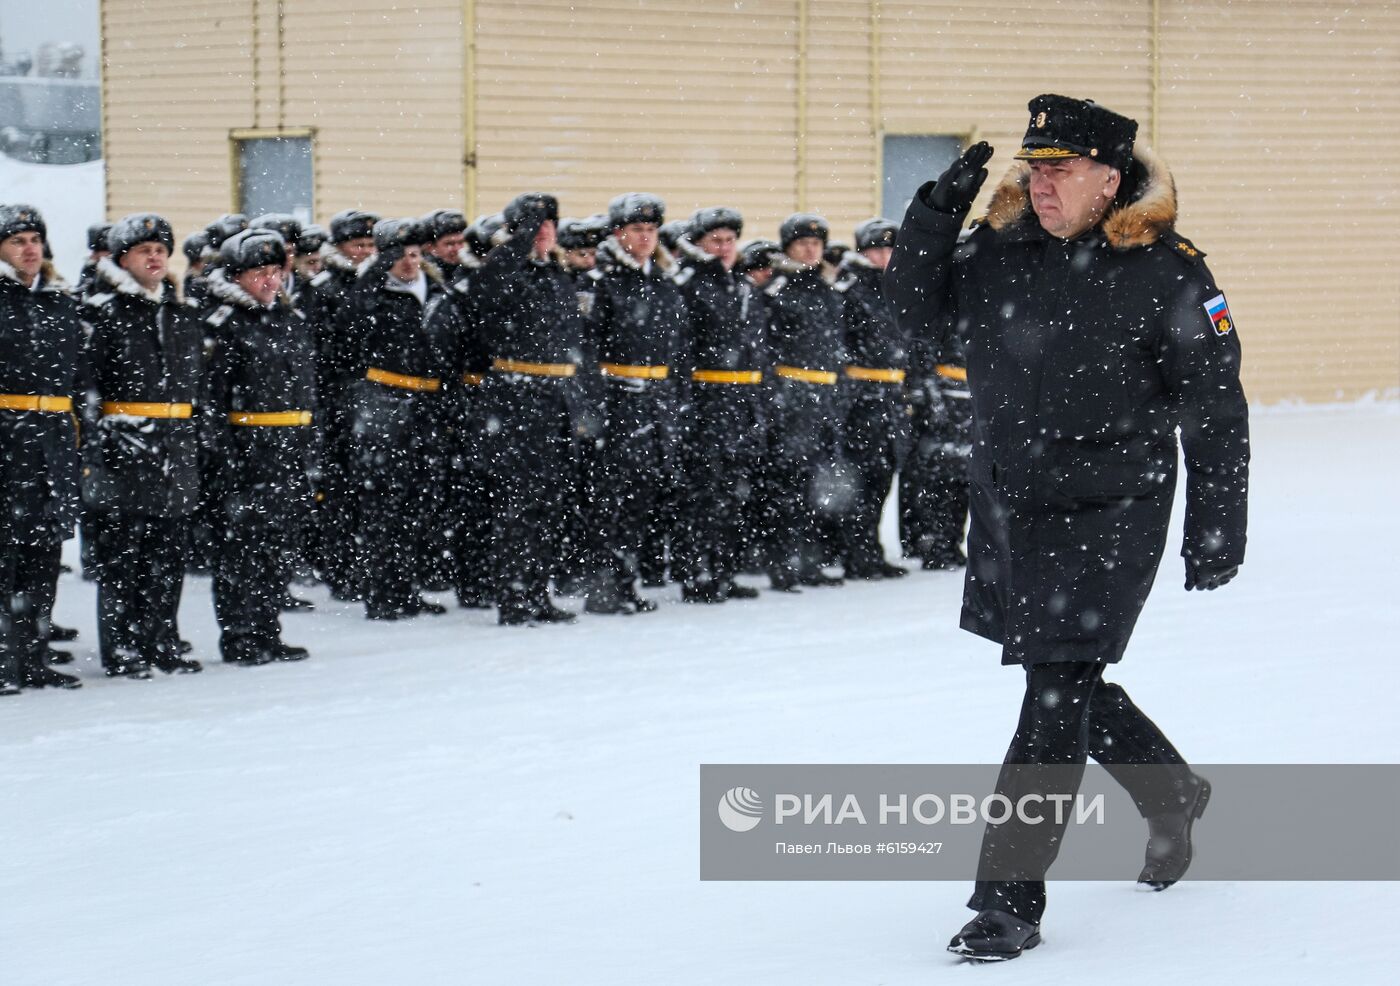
119,279
50,280
231,292
661,258
1141,222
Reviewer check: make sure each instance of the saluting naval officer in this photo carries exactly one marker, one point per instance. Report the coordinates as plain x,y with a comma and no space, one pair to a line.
1095,334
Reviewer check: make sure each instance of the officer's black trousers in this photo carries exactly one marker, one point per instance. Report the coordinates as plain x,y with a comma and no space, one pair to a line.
933,489
470,536
874,468
793,525
1068,713
337,514
530,451
28,585
249,579
140,571
721,486
393,484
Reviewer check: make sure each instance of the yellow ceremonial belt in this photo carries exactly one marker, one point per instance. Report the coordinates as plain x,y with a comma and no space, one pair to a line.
473,379
534,369
266,419
402,380
635,372
33,402
950,372
727,376
147,409
874,375
806,376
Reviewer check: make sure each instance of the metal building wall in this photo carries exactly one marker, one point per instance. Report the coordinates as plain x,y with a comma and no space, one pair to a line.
1277,117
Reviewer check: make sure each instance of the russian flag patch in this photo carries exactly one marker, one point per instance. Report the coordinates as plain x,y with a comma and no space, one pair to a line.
1219,314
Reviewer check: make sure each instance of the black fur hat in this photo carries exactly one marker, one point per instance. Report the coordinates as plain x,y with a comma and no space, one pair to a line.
582,234
1061,127
253,248
284,224
801,224
352,224
444,222
140,227
97,236
717,217
636,207
194,246
312,238
16,219
405,232
874,233
224,227
757,255
530,204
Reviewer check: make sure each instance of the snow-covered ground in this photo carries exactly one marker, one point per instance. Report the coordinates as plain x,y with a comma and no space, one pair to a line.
446,801
71,197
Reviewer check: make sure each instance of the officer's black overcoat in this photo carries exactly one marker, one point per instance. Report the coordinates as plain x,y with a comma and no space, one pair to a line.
41,344
263,361
144,347
1084,359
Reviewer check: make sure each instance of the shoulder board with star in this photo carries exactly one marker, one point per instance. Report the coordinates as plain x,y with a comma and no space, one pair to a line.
463,286
594,275
1183,247
684,275
845,284
220,316
98,300
775,285
321,278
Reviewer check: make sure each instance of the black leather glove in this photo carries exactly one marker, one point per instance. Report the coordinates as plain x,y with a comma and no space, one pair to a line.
1208,575
956,188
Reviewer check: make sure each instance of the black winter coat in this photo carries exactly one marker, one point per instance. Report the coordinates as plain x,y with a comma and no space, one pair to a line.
1084,358
396,338
263,361
638,318
145,347
876,416
329,311
806,331
727,330
41,353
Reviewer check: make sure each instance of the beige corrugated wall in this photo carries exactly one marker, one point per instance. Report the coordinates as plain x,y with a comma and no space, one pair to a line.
381,86
1278,118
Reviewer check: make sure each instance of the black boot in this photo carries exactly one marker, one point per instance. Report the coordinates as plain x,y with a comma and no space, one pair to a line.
473,599
784,582
183,646
10,681
639,603
37,674
816,577
547,612
994,936
246,654
58,633
607,600
1169,837
418,605
733,590
279,651
703,592
125,664
55,656
944,558
892,571
166,659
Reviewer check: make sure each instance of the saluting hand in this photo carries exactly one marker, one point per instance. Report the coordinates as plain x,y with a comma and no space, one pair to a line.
957,187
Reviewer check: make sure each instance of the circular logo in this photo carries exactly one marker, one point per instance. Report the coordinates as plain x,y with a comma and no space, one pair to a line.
740,809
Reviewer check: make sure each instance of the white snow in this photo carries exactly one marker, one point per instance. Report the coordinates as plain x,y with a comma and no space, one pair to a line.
446,801
71,197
